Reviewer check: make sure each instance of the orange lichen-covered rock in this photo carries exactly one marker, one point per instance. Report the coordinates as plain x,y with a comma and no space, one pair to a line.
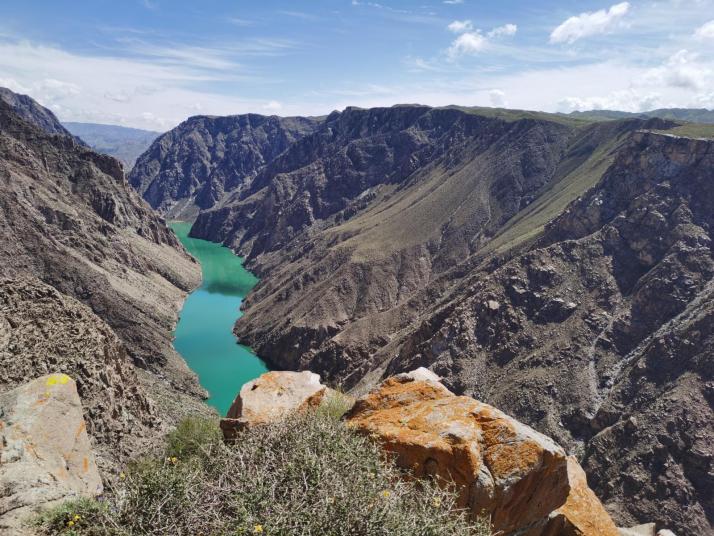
501,467
271,397
45,453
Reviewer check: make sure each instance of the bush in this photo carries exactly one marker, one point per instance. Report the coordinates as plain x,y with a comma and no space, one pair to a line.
306,475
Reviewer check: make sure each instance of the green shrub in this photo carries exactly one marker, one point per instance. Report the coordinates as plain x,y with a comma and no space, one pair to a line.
192,437
308,475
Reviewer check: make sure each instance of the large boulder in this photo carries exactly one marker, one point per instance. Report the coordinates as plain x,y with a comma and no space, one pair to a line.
270,398
502,468
45,453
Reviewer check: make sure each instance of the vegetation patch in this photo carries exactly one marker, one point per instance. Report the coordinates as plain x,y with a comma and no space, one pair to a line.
306,475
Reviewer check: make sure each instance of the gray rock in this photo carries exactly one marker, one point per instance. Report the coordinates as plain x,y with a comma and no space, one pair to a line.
45,453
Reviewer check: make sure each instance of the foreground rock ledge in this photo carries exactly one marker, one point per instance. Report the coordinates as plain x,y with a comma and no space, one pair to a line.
521,478
45,453
271,397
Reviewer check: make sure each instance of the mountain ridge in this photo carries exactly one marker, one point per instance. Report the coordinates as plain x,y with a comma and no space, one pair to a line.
124,143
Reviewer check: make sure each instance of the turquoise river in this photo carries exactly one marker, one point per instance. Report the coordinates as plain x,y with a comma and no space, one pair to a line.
204,333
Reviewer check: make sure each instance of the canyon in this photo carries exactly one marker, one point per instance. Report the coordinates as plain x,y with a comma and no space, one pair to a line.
555,267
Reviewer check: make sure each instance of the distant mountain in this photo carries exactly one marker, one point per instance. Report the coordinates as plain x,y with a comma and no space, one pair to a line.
692,115
125,144
29,110
191,167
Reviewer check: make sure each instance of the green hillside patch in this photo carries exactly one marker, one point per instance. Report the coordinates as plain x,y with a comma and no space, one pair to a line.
692,130
588,157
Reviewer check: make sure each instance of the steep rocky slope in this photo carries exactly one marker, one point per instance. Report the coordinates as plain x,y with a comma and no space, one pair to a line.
191,167
533,262
594,334
69,218
123,143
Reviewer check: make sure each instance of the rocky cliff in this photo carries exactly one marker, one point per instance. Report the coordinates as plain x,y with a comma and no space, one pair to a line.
72,230
194,165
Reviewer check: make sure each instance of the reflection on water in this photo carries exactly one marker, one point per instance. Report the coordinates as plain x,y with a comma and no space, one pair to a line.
204,334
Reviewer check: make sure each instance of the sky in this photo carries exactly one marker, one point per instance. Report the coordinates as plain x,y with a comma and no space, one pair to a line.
152,63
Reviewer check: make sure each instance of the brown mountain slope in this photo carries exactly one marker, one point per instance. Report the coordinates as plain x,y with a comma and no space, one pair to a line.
69,218
32,112
597,334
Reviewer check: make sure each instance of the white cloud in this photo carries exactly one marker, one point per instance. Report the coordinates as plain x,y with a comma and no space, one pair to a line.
468,43
471,41
273,106
589,23
497,98
460,26
145,91
705,32
628,100
505,30
453,2
682,70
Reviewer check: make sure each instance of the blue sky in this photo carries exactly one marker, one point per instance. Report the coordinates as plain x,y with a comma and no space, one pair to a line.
152,63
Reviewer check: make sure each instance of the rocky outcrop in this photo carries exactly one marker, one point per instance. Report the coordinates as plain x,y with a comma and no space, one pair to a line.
45,453
42,330
502,468
271,397
69,218
195,165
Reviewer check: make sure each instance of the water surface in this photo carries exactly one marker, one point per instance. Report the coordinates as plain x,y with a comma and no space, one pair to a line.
204,334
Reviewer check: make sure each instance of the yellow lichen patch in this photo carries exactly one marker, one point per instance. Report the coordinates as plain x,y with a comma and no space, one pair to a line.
55,379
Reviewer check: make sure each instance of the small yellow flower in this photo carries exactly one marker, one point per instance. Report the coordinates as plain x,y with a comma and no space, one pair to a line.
174,459
436,502
70,523
258,529
122,475
385,493
77,517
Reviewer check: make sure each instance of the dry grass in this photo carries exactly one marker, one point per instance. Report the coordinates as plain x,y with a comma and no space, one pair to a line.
309,475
